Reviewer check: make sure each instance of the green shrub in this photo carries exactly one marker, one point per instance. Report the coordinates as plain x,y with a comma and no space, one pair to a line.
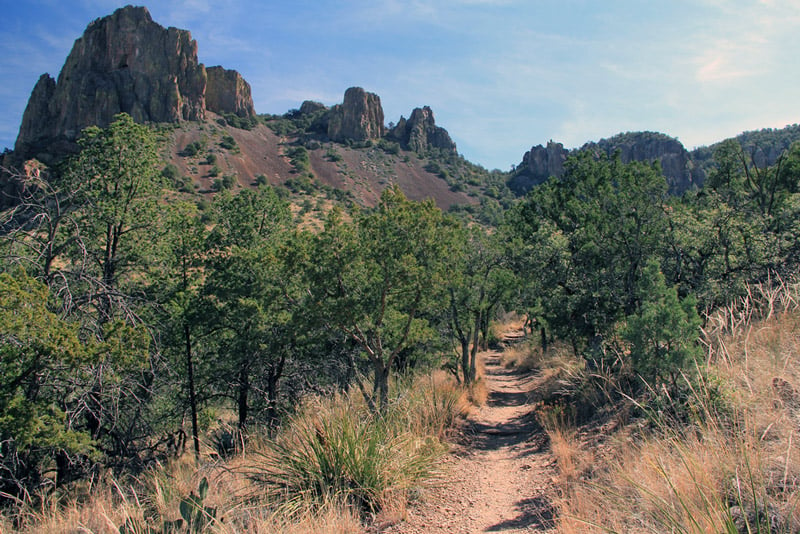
192,149
228,142
333,155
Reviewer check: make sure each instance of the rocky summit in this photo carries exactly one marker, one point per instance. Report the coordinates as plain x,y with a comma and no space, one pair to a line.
359,117
125,62
542,162
419,133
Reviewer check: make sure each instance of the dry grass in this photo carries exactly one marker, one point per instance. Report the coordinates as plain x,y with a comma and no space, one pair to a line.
735,467
422,414
523,357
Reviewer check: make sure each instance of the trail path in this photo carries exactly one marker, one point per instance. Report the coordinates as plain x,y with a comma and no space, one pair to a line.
500,473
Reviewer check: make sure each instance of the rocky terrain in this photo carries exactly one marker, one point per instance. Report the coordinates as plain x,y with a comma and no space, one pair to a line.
126,62
542,162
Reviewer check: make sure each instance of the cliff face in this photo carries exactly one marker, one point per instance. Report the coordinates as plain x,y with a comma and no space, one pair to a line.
359,117
676,162
420,133
541,162
125,63
228,92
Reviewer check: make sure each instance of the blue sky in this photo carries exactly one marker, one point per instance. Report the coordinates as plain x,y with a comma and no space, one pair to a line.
500,75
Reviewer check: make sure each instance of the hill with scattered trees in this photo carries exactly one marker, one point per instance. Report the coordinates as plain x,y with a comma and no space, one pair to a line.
231,322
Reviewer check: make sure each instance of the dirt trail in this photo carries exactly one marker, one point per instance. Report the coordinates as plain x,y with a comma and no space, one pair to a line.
500,473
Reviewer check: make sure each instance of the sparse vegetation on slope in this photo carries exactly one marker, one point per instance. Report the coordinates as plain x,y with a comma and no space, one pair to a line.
726,461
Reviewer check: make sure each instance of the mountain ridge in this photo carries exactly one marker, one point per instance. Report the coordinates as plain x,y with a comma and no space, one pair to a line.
126,62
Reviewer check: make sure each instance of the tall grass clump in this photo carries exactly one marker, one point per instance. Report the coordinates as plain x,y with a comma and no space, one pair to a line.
332,465
337,450
733,465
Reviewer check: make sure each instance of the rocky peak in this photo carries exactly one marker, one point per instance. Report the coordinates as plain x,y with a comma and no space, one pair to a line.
309,107
540,163
228,92
675,160
420,133
125,62
359,117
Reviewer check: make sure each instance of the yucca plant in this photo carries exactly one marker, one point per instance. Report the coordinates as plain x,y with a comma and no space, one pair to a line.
337,450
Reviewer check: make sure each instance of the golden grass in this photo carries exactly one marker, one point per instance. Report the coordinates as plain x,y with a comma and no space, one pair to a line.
522,357
735,467
422,414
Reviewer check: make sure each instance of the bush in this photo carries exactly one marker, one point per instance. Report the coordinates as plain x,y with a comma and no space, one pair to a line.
299,158
228,142
192,149
228,181
663,332
333,156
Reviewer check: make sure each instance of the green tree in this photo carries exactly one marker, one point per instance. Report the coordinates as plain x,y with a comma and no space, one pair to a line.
375,278
662,333
117,175
38,352
478,281
585,239
184,245
248,295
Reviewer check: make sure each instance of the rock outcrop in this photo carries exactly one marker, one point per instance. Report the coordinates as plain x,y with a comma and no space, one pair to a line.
676,162
228,92
309,107
359,117
541,162
125,62
419,133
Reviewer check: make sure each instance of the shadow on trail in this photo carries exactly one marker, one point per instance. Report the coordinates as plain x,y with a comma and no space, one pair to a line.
537,512
488,437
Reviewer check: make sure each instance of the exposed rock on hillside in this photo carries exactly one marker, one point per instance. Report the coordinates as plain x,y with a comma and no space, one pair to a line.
309,106
228,92
359,117
675,160
540,162
125,62
420,133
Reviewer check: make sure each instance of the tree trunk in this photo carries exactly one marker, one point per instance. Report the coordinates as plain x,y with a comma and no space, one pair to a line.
381,386
192,396
485,328
273,380
543,334
466,369
244,389
473,370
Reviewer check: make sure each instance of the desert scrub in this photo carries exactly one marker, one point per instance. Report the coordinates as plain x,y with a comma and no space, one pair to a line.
732,467
337,450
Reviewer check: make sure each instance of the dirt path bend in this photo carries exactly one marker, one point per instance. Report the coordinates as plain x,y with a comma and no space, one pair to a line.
500,473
